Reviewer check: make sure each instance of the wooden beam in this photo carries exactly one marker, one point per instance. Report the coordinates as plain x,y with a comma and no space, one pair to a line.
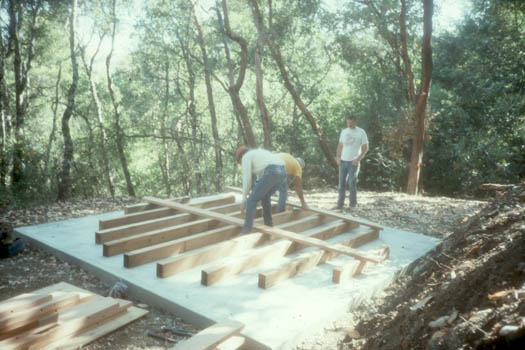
351,268
309,260
163,250
220,250
232,343
158,213
122,232
21,302
71,322
96,331
60,301
211,336
336,248
330,213
200,202
256,257
159,236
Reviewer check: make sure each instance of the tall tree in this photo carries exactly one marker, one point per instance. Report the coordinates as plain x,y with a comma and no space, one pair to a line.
277,57
419,99
100,115
119,134
258,57
22,67
235,84
64,186
4,123
211,102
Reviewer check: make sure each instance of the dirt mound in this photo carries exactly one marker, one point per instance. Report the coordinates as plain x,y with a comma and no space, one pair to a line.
468,293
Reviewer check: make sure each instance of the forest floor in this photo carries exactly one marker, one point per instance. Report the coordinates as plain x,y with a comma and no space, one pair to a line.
469,293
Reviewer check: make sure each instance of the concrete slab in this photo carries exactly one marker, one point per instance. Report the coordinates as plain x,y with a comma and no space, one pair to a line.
276,318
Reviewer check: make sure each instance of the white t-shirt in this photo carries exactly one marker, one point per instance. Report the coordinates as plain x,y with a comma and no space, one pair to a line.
352,140
253,163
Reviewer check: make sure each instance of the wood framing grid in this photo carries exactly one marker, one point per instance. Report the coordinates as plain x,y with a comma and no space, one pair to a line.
181,234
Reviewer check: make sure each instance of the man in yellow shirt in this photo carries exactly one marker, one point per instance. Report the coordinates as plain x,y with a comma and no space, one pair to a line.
294,167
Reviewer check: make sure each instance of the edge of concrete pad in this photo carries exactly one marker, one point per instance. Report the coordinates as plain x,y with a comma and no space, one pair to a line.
135,290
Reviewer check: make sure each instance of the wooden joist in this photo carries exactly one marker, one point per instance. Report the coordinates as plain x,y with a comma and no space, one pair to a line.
354,267
211,337
203,202
126,231
336,248
177,246
309,260
223,249
256,257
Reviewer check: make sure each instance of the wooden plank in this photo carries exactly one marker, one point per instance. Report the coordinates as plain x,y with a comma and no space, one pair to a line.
351,269
163,250
60,301
159,236
122,232
309,260
330,213
21,302
259,256
211,336
98,330
232,343
336,248
220,250
70,322
200,202
156,213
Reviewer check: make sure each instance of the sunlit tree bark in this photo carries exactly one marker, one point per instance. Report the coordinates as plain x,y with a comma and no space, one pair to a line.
64,185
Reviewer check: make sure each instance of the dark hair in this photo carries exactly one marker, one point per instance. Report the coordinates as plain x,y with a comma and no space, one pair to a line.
351,117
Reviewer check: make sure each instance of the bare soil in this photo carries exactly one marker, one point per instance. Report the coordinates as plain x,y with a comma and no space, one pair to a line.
483,252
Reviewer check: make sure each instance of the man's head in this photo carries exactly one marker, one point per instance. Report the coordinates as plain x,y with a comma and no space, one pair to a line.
239,153
300,161
351,121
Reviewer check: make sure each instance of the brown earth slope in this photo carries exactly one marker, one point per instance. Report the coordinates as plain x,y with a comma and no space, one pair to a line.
469,293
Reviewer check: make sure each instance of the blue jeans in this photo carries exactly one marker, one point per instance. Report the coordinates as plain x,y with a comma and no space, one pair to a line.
283,195
272,177
347,176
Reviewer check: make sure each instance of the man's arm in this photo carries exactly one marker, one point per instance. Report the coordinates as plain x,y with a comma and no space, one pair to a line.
338,153
299,189
364,149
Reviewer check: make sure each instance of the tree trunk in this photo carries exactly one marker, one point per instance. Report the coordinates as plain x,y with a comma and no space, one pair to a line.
235,87
416,157
119,136
258,54
21,69
300,104
64,186
100,120
211,105
4,129
54,127
165,157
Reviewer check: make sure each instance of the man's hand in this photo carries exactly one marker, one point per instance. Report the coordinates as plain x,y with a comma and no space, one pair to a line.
338,160
243,206
355,162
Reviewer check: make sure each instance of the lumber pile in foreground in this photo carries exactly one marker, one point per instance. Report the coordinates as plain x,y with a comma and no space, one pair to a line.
221,336
61,316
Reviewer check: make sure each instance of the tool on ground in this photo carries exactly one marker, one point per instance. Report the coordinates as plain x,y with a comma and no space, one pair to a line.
177,331
161,336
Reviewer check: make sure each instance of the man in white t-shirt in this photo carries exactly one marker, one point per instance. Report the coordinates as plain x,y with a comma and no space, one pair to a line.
271,175
352,147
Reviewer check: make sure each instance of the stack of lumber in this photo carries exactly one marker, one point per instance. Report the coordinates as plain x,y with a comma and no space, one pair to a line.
61,316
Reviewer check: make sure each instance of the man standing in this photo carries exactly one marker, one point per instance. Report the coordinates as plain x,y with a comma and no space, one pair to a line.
269,168
294,167
352,147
